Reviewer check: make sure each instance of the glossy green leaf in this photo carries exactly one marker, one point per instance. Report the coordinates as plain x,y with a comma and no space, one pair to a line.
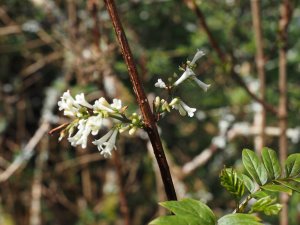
239,219
230,180
288,185
292,165
259,194
271,163
254,167
187,212
273,209
249,184
175,220
277,188
267,205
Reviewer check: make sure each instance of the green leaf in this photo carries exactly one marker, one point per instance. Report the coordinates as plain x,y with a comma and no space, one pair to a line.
254,167
292,165
248,183
273,209
277,188
173,220
296,179
271,163
239,219
259,194
187,212
231,181
266,205
288,185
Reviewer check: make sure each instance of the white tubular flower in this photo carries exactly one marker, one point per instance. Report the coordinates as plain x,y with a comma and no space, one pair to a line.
183,108
102,104
68,104
190,73
117,104
201,84
80,138
197,56
107,143
187,73
160,84
95,123
80,99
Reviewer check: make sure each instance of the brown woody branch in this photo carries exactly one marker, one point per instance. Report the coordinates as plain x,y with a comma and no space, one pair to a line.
149,120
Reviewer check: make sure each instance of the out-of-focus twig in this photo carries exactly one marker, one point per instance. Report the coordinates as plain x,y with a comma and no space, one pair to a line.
260,64
36,191
123,201
13,29
26,152
285,12
41,63
81,160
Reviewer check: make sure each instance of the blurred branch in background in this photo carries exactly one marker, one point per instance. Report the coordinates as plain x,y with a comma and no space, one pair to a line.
286,12
28,151
260,117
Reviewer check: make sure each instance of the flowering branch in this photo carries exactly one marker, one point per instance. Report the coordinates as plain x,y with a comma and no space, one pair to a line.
149,119
91,118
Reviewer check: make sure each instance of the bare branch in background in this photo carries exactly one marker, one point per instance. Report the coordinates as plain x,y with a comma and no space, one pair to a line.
28,151
36,191
285,12
260,117
123,201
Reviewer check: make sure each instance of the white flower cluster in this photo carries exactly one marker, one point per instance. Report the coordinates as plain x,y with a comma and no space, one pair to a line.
162,105
89,119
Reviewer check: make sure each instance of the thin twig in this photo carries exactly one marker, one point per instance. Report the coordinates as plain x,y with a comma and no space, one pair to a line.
150,125
123,201
26,152
36,191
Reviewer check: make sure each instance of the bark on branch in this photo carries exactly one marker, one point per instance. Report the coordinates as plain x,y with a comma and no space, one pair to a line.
150,125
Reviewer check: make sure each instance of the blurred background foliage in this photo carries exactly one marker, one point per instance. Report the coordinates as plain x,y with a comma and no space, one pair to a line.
47,47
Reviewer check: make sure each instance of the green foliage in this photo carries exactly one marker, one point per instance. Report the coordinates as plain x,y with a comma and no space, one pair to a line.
266,179
271,163
292,165
232,183
267,205
187,212
254,167
239,219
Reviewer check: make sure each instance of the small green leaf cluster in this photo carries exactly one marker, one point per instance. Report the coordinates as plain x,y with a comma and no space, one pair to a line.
265,179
